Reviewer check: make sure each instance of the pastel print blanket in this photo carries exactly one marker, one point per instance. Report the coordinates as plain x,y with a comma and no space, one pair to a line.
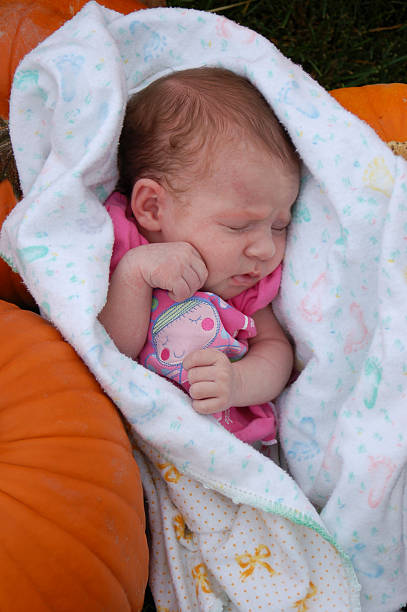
230,529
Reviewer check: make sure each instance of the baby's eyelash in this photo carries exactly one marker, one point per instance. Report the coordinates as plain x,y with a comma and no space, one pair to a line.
279,230
239,229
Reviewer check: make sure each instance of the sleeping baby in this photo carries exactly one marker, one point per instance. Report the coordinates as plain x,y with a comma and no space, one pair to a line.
200,215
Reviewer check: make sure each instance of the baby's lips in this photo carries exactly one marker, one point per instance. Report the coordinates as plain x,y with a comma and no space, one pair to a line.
245,279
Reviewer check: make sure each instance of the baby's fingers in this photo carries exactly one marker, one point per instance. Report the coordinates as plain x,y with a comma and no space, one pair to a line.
186,285
201,271
208,405
203,390
181,290
202,357
201,373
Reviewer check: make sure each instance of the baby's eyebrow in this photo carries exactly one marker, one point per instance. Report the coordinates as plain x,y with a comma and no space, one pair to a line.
245,216
282,223
280,228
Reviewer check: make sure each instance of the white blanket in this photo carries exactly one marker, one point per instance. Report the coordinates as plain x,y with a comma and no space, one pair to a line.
230,529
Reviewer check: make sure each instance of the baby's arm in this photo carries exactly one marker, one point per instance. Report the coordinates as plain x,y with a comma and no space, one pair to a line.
174,266
217,384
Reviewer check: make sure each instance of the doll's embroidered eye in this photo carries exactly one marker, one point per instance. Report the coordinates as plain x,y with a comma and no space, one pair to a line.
195,320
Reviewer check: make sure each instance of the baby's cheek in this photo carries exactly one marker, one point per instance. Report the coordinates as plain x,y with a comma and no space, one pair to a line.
280,244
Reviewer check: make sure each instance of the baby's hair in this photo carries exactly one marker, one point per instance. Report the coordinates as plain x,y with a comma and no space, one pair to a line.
180,119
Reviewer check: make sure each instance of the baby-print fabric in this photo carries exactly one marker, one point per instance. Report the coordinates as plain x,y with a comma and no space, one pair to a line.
202,321
229,525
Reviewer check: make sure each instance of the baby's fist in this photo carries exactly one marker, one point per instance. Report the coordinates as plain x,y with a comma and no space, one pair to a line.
211,377
176,267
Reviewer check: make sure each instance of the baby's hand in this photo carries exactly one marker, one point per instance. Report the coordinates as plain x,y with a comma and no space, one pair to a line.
174,266
212,380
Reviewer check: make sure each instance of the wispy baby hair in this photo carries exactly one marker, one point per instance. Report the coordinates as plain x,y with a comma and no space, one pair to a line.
173,126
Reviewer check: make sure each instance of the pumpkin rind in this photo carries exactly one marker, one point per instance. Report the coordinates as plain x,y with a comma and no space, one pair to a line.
71,505
383,107
12,287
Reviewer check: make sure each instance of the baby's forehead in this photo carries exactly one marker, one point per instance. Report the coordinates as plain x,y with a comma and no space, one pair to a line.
237,162
241,143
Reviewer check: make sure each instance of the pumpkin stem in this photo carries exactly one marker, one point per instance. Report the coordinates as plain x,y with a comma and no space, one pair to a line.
398,148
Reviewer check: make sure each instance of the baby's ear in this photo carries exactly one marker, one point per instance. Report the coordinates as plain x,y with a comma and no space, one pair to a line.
147,199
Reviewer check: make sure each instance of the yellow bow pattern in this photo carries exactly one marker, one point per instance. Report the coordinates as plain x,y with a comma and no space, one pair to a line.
250,561
180,529
171,473
201,578
301,604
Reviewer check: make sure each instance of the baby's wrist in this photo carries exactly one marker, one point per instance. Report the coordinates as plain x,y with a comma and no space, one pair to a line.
237,384
131,268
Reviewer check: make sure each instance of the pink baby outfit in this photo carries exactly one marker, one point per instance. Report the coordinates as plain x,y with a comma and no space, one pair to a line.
202,321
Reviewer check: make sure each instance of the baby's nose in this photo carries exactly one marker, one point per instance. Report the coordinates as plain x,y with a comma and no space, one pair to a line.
262,247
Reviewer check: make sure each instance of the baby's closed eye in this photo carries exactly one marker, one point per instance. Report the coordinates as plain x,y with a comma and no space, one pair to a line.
279,229
280,225
239,228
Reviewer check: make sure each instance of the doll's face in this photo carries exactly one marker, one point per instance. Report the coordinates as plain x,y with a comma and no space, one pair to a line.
194,329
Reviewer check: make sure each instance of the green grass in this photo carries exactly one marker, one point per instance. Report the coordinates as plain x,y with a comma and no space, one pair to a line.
341,43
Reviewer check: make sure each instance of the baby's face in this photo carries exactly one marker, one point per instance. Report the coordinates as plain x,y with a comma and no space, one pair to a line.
237,217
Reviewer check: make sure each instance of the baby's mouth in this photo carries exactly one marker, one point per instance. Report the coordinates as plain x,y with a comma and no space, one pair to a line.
246,279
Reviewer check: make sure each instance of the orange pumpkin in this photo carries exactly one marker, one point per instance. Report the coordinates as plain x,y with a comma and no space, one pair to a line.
12,287
71,510
384,107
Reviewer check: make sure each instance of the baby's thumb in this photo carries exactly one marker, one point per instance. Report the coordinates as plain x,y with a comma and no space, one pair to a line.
180,292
